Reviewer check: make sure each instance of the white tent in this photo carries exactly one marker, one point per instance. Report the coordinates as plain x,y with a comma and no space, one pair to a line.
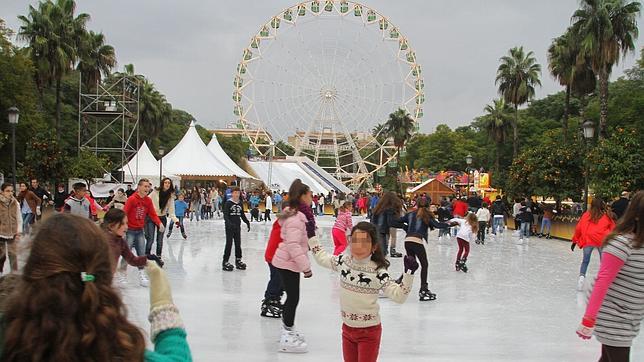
215,148
191,157
144,165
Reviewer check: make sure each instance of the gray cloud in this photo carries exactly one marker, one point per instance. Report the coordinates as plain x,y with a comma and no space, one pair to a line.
190,49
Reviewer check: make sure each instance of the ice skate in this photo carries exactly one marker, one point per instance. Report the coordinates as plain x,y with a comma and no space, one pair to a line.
240,264
463,266
143,279
271,309
580,283
394,254
426,295
457,265
226,266
184,235
292,342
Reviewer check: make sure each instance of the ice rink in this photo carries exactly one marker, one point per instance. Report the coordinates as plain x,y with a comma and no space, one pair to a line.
516,303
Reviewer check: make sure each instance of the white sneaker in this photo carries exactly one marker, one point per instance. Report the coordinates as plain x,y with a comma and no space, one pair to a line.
121,278
143,279
291,342
580,283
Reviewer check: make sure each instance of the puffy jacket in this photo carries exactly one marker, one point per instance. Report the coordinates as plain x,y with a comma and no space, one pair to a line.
416,227
498,208
588,233
292,252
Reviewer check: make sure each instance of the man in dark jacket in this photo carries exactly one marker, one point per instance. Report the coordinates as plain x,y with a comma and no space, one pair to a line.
619,206
499,212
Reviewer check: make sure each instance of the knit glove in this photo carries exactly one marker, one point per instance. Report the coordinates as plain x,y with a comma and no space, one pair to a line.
572,246
164,314
156,259
586,328
177,225
410,264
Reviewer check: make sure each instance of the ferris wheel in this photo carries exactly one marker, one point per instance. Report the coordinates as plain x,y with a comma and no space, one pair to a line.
321,76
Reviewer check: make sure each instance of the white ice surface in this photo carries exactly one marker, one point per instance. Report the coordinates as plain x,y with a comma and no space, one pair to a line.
517,303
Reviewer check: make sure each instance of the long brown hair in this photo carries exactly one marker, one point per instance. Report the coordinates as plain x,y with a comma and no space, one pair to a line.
423,212
377,256
53,315
389,200
473,221
631,222
295,193
597,210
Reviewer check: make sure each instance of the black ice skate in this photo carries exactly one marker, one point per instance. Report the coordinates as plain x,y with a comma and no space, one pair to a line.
463,266
240,264
226,266
271,308
425,295
394,254
457,265
184,235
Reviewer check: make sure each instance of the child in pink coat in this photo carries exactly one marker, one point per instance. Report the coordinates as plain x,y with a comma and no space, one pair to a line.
343,225
291,258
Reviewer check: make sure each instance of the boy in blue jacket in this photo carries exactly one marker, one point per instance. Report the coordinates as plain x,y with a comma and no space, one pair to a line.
180,207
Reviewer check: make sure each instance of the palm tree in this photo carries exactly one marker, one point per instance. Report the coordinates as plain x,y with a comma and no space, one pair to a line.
400,127
97,59
562,59
155,112
607,31
517,76
497,122
54,35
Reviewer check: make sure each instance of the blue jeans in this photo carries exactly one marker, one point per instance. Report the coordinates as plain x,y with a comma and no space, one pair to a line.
136,239
497,224
153,234
588,250
27,220
525,229
545,223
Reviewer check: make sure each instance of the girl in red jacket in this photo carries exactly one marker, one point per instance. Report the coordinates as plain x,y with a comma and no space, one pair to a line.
591,229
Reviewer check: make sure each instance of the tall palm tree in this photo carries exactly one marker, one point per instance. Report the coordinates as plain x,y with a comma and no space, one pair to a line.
607,30
97,59
562,60
54,35
155,112
497,126
400,127
517,76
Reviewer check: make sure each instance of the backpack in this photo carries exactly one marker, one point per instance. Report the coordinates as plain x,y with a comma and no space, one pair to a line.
274,240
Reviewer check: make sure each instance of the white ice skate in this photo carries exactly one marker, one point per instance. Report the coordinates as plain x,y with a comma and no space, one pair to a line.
580,283
121,278
292,342
143,279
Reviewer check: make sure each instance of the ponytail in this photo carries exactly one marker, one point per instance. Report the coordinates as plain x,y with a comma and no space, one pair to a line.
295,193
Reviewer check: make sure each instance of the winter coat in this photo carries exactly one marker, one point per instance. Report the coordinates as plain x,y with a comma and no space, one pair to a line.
385,220
30,198
292,252
588,233
119,248
10,218
169,207
498,208
460,208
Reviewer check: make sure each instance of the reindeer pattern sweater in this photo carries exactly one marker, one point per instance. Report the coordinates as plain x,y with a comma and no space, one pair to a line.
360,281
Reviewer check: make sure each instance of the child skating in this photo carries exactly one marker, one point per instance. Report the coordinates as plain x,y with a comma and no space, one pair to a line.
180,207
468,228
343,225
363,273
233,216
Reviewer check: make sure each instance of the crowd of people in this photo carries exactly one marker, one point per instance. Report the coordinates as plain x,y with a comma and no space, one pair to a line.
74,263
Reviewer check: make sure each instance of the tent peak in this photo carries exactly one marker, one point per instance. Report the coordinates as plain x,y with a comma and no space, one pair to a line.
192,123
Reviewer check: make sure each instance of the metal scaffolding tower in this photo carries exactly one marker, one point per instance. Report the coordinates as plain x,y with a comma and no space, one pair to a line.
108,120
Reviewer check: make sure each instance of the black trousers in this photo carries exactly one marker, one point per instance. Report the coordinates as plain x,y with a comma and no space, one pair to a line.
291,284
153,234
615,354
481,233
233,234
267,215
416,250
274,288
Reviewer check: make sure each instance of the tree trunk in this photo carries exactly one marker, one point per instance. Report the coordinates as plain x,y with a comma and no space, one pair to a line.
564,119
603,102
515,132
497,161
58,105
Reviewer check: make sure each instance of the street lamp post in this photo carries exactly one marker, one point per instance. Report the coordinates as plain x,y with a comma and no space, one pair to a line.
468,161
161,153
13,115
588,128
270,164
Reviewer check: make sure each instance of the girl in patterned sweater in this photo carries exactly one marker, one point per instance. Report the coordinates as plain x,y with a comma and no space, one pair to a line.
616,305
363,273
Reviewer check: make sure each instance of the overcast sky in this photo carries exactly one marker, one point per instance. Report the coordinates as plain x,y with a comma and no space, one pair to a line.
190,48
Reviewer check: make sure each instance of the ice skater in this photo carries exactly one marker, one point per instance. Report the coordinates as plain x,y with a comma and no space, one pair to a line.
233,216
468,228
180,208
363,273
272,302
417,224
590,231
291,259
616,304
483,215
343,225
